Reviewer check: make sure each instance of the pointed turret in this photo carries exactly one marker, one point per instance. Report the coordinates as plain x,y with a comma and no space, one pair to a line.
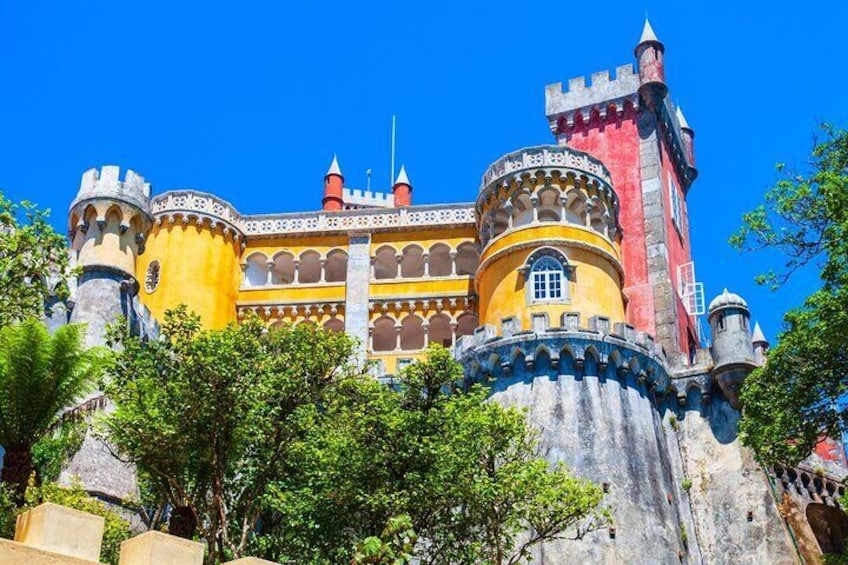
402,189
649,54
333,187
688,139
760,344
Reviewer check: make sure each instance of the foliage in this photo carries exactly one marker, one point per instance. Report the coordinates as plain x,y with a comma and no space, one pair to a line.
799,396
395,546
40,375
686,484
211,416
466,471
34,261
116,529
54,450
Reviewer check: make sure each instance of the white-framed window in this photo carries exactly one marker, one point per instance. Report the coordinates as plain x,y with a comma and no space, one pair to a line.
547,276
676,204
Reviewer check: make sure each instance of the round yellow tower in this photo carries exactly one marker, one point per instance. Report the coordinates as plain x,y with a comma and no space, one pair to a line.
548,228
108,222
192,257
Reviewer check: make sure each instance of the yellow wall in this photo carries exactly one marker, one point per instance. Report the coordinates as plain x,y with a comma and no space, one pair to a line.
595,290
199,267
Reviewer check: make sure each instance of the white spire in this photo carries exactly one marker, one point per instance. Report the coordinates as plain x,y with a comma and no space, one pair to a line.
681,119
334,168
648,33
402,178
758,335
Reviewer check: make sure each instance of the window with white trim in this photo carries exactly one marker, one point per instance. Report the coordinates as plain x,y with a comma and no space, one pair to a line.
547,276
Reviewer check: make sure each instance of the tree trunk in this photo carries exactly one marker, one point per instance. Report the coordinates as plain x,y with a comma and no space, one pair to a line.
17,469
183,522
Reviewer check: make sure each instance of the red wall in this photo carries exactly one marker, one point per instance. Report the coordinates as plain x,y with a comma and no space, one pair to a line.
616,143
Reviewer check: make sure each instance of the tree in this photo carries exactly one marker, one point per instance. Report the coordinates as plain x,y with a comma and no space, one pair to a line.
466,471
40,375
34,261
798,397
210,416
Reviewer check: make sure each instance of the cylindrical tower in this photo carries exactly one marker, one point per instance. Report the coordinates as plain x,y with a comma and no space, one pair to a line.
687,135
192,257
402,189
553,340
733,354
650,53
547,218
109,220
333,188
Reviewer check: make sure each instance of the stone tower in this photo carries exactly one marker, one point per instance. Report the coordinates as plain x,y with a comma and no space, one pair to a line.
732,351
109,220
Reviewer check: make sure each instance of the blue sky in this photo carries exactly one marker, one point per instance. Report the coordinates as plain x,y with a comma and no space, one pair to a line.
250,100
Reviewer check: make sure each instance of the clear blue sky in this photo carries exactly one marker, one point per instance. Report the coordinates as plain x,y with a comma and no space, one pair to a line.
250,100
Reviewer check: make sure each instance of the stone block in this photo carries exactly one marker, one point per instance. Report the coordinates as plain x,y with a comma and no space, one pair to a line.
599,324
62,530
250,561
540,322
510,326
156,548
570,321
484,333
626,331
14,553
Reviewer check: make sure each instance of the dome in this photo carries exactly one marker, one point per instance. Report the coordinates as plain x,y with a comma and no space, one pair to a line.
727,299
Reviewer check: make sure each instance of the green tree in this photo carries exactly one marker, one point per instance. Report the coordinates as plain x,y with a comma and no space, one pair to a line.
466,471
34,261
40,375
799,396
209,417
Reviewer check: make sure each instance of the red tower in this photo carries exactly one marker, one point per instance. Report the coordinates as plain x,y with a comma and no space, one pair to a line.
333,187
631,125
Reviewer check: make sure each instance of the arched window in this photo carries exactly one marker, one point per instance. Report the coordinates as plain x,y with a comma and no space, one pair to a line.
547,279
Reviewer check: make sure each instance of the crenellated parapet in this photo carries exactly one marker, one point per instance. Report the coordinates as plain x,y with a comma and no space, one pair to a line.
603,99
601,349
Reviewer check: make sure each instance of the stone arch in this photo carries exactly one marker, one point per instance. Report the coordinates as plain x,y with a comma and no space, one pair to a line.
543,359
440,260
591,358
501,219
383,337
567,358
385,263
516,359
549,206
467,258
256,270
412,261
440,330
522,209
829,525
598,216
335,268
412,333
466,323
334,325
282,271
309,268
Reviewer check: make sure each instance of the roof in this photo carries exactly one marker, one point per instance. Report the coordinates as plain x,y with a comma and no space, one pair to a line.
727,299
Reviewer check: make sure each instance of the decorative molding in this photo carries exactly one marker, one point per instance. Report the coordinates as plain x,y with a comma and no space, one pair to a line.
545,156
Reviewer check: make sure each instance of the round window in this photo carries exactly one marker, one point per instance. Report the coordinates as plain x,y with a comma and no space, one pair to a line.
151,281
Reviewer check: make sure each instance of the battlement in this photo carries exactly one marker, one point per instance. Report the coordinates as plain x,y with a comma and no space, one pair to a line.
367,198
107,184
599,94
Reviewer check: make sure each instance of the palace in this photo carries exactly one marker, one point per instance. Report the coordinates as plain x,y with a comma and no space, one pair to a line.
567,284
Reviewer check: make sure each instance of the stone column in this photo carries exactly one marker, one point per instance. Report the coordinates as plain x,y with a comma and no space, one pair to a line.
399,259
426,265
426,327
359,272
508,209
296,279
397,337
453,262
269,277
453,327
563,201
323,263
534,201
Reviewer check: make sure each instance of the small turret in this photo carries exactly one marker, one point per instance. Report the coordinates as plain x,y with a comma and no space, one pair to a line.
649,54
402,189
760,345
687,135
733,355
333,187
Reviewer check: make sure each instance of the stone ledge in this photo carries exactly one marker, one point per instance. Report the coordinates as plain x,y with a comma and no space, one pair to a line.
54,528
156,548
14,553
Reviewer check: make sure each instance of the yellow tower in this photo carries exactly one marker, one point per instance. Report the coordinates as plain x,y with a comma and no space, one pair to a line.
547,218
109,220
